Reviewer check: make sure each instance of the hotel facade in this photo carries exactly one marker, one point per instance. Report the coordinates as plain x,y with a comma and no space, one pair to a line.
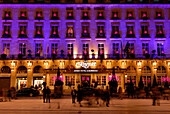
85,41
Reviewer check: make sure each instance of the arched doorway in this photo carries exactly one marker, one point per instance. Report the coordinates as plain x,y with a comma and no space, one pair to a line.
21,77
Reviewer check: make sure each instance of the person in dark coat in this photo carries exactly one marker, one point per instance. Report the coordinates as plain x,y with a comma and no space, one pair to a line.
9,94
44,94
156,96
48,91
107,96
73,94
79,96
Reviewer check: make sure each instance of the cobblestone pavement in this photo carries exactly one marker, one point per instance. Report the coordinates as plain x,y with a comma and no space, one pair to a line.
64,105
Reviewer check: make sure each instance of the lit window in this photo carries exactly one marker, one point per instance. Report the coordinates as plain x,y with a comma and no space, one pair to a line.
115,32
85,49
115,15
54,16
70,15
100,31
85,31
39,15
160,49
6,48
159,15
70,32
100,15
70,50
159,31
70,80
101,50
144,15
38,32
7,15
22,32
22,49
130,15
101,80
145,48
85,15
6,33
54,32
38,48
145,33
54,48
115,49
130,31
23,15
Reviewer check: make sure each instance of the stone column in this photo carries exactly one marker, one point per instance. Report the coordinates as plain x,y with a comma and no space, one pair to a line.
13,78
29,78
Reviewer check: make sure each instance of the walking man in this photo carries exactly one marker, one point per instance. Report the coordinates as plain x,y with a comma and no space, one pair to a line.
73,94
44,94
48,91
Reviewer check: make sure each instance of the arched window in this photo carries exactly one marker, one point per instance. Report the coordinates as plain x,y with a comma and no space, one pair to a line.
131,69
161,69
22,69
5,69
146,69
38,69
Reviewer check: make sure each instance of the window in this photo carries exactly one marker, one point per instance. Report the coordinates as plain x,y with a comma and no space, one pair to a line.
54,16
23,15
131,48
70,15
100,32
115,15
85,31
38,48
161,80
100,15
159,15
133,78
101,80
54,32
54,48
6,48
115,49
145,48
70,50
146,80
145,33
70,80
52,80
130,32
39,15
160,49
115,32
6,33
22,49
22,33
146,69
38,32
101,50
161,69
159,31
130,15
144,15
7,15
70,31
85,15
85,50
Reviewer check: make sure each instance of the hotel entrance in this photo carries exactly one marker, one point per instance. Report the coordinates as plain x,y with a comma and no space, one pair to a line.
86,80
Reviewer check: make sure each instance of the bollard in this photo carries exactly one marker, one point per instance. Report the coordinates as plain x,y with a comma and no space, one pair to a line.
58,105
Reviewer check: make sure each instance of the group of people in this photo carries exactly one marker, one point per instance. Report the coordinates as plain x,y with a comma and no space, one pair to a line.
46,94
99,94
9,94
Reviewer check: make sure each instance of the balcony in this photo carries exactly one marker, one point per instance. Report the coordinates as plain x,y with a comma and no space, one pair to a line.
38,36
85,18
100,35
23,18
145,36
70,17
115,36
70,35
85,35
39,18
22,36
54,18
54,36
160,36
6,36
130,36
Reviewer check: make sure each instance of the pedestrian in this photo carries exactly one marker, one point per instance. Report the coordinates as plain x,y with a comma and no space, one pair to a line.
120,93
79,95
73,94
9,94
48,91
156,96
44,94
107,96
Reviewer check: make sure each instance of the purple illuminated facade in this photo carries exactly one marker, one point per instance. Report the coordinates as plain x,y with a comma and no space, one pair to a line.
36,39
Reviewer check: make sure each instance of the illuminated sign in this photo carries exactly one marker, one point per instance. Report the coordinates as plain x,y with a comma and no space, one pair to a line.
85,64
85,71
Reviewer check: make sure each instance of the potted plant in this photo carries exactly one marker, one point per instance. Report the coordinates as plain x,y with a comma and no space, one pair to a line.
20,56
62,54
29,54
3,55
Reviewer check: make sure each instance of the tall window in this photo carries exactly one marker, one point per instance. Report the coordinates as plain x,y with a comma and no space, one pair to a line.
38,48
115,48
6,33
145,33
70,15
160,49
23,15
54,32
130,31
7,15
85,15
144,15
70,32
85,31
100,15
54,16
115,31
100,32
54,48
38,32
70,80
6,48
85,49
22,48
22,32
131,47
159,15
130,15
101,50
159,31
70,49
145,48
39,15
101,80
115,15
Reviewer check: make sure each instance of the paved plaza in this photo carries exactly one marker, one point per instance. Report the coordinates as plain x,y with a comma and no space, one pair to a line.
64,105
